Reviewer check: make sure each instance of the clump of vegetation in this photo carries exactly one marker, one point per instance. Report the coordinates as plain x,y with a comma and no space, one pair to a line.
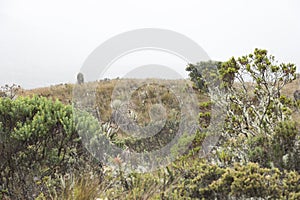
38,140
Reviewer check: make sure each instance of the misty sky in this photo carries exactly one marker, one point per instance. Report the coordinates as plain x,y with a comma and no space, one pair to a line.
44,43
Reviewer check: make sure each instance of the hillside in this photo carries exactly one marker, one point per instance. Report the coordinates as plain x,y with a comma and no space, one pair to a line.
63,92
42,148
105,89
141,104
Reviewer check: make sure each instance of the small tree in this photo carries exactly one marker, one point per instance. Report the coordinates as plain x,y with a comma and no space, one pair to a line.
204,74
254,104
256,92
249,90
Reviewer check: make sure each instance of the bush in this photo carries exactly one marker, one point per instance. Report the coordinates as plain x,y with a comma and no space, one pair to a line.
37,140
201,180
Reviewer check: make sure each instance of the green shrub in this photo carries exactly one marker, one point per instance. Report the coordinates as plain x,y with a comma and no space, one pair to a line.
37,139
201,180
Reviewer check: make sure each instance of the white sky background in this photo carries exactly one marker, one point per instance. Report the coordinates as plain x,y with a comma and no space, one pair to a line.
44,43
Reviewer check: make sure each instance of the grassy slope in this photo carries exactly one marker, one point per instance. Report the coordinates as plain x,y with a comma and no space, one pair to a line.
64,93
141,104
142,99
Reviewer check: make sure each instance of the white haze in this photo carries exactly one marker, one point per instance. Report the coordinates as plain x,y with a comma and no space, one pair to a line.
44,43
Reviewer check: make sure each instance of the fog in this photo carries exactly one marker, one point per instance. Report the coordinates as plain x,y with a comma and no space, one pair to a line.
44,43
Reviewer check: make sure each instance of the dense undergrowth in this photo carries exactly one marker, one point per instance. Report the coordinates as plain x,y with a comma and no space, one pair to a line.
257,155
36,164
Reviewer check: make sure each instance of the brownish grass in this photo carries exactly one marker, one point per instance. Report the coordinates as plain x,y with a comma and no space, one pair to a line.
142,98
62,92
290,88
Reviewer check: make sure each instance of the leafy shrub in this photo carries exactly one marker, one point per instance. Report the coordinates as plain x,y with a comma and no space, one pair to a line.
200,179
37,139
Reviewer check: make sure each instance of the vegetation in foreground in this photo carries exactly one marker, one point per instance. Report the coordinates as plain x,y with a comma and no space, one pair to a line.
257,154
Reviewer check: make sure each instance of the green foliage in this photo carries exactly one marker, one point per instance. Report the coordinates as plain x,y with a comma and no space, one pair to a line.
37,139
204,74
203,180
